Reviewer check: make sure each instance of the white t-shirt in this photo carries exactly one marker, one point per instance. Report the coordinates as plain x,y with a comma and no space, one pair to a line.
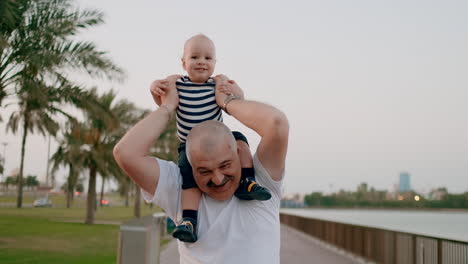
232,231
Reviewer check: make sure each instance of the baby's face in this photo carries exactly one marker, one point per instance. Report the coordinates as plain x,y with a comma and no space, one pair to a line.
199,59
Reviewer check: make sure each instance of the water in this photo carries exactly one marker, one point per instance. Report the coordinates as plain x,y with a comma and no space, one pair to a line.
443,224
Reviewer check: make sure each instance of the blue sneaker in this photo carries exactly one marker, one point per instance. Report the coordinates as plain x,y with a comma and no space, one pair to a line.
249,189
186,231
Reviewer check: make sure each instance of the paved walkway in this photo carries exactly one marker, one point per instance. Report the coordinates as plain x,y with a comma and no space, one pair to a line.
296,248
170,254
299,248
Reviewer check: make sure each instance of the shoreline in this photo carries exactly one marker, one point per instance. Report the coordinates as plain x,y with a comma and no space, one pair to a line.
464,210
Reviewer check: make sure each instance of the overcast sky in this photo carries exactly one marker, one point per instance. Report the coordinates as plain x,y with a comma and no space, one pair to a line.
371,88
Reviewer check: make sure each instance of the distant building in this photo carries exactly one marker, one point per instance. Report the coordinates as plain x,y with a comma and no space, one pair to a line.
404,184
295,200
437,194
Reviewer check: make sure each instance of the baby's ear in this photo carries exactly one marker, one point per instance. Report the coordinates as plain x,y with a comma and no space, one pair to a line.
183,64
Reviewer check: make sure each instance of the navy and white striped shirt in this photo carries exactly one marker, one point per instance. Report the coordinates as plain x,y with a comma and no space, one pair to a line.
197,103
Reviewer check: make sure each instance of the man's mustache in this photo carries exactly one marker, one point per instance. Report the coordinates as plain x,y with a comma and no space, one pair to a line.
225,180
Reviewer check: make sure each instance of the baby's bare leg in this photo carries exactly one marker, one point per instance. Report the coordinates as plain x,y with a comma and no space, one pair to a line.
248,188
244,154
186,231
191,199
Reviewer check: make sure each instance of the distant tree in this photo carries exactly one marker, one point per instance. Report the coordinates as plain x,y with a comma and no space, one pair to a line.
313,199
125,184
166,146
68,154
31,181
10,180
79,186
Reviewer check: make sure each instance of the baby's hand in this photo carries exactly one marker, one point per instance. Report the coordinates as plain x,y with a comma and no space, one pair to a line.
226,89
226,86
161,87
233,88
220,79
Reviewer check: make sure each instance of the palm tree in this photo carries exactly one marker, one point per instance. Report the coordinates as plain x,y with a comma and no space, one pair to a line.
11,180
38,108
38,35
128,116
166,146
31,181
11,12
69,154
124,188
2,165
39,50
99,133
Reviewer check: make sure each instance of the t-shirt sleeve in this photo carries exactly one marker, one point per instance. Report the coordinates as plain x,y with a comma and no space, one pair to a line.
265,179
167,194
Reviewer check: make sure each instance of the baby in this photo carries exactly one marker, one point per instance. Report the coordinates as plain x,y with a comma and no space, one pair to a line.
197,104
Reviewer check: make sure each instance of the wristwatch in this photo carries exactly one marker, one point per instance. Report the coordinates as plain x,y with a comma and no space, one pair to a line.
228,99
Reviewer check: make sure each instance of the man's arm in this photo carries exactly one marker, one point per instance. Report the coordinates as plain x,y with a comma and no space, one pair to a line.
269,122
132,151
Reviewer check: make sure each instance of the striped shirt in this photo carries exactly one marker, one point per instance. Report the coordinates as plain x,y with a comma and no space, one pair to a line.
197,104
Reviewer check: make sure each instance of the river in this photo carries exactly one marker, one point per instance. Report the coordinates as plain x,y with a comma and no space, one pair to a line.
443,224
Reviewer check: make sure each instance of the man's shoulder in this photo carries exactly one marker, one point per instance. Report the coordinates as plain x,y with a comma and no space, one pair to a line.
167,189
166,163
264,178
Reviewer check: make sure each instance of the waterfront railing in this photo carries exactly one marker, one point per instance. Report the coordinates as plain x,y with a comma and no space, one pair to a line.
382,245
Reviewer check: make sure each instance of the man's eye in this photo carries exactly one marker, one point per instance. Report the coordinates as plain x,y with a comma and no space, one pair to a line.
204,172
225,166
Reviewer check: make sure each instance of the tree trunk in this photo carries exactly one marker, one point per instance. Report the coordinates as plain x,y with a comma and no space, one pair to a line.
127,185
137,208
91,199
102,191
52,177
19,201
69,185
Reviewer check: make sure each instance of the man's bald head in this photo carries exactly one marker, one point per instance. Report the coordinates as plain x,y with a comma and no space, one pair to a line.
205,136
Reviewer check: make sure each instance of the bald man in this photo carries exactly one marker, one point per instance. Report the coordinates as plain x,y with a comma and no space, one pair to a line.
230,230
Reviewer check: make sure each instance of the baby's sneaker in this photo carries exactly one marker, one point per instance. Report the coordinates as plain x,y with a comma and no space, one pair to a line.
249,189
186,231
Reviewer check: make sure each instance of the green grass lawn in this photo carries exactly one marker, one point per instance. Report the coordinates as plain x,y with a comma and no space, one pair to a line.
59,200
47,235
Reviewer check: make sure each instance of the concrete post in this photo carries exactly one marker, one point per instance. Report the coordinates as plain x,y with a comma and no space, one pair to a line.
140,240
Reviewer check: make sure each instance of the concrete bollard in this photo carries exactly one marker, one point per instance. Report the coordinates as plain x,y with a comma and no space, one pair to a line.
140,240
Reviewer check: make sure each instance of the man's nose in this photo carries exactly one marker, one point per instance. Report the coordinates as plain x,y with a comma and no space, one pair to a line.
218,178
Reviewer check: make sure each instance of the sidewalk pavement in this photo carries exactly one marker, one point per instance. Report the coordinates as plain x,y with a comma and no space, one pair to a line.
296,248
300,248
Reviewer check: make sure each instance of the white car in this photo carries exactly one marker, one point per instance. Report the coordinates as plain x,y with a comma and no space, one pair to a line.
42,202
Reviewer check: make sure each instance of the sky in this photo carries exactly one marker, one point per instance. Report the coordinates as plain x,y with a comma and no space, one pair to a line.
371,88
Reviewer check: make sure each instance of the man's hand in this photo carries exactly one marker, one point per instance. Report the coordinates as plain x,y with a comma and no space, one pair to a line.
160,88
225,87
